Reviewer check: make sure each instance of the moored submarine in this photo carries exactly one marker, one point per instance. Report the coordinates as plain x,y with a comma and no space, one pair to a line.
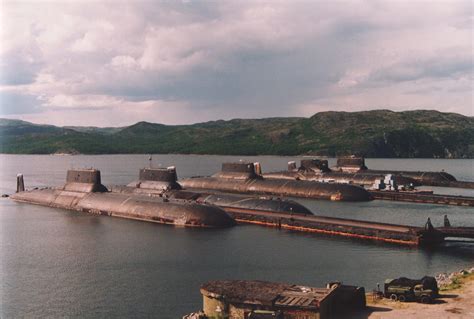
84,192
318,170
242,178
163,182
357,164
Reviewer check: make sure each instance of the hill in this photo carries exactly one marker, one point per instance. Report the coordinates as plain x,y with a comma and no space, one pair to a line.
380,133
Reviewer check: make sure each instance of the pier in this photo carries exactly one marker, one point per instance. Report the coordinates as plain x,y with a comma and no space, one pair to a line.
384,232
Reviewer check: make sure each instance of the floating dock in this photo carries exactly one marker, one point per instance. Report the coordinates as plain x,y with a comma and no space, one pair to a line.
350,228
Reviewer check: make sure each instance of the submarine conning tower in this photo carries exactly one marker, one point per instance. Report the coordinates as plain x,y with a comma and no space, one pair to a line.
84,180
157,179
239,170
314,165
351,163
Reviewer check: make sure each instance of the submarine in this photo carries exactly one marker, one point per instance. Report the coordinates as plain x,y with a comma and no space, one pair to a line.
242,177
163,182
318,170
84,192
355,164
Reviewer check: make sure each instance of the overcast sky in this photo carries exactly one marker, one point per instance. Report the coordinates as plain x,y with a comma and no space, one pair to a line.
177,62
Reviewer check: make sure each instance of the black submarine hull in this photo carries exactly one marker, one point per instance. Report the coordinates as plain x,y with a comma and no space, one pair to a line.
359,178
223,200
79,196
429,178
162,182
280,187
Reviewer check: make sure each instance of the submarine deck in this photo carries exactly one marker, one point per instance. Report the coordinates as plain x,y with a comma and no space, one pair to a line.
423,198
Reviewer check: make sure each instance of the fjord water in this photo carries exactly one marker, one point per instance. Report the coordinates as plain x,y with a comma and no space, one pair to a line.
58,263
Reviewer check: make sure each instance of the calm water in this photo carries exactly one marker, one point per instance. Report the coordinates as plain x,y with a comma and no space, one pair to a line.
59,263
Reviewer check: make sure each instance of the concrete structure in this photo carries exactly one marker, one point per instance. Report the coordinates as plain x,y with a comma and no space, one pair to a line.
238,299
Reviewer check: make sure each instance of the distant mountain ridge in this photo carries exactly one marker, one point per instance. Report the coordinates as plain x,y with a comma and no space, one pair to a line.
379,133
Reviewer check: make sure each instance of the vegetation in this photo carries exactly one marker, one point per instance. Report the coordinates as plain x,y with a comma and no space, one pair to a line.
379,133
458,282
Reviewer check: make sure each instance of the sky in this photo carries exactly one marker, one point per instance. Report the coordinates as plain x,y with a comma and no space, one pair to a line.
99,63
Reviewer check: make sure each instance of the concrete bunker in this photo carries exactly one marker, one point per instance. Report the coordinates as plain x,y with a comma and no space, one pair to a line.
240,299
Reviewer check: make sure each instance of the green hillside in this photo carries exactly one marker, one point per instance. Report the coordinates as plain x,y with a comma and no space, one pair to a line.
379,133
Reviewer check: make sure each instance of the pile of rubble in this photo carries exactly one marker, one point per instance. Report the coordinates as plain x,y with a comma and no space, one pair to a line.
446,279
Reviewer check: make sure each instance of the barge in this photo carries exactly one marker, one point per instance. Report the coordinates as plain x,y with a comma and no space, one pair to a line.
84,192
358,229
242,177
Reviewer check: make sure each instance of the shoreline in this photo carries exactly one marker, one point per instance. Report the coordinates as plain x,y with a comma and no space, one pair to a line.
243,155
456,301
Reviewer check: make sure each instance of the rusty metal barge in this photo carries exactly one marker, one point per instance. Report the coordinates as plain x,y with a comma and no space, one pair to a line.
350,228
246,178
84,192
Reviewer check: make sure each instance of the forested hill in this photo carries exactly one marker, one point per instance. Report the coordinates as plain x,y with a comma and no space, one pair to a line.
379,133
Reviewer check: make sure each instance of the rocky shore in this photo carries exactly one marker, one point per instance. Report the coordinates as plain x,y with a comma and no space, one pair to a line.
456,301
448,281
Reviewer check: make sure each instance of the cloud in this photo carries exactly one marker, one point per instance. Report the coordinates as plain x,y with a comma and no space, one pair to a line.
13,103
182,62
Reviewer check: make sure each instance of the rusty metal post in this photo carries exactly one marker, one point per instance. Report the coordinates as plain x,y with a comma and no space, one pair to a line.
20,184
